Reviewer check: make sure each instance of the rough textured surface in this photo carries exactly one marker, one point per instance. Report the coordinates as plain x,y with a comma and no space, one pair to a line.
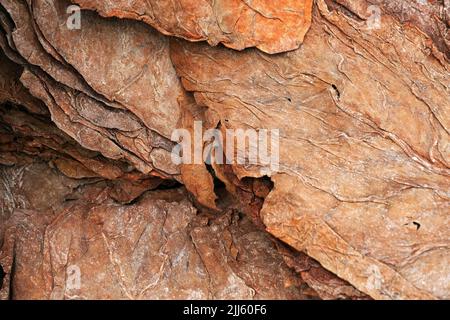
156,248
271,26
371,147
430,16
12,90
326,284
134,68
361,199
121,103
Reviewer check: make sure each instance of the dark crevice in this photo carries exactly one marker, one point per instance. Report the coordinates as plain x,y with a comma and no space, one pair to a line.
169,185
165,185
11,276
218,184
2,276
220,189
8,20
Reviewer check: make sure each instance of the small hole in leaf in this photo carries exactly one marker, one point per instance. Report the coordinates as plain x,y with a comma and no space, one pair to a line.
337,90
